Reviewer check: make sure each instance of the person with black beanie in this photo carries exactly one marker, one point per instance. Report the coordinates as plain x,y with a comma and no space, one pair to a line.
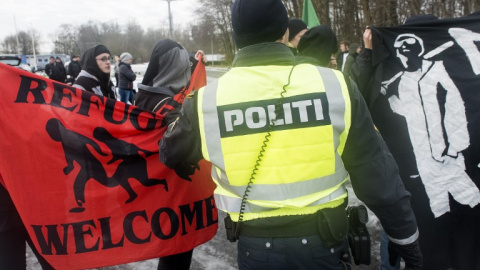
73,69
52,69
62,71
296,29
95,74
283,140
317,45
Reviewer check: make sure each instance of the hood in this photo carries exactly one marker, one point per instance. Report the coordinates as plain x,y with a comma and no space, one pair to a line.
89,64
169,66
353,48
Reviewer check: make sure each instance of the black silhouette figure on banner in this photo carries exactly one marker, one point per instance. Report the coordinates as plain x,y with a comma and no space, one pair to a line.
76,148
74,145
438,139
133,165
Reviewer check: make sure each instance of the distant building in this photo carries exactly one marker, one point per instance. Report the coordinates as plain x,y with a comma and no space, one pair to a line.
212,59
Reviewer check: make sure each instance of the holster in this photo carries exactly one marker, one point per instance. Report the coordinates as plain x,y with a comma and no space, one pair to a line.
358,235
231,229
332,226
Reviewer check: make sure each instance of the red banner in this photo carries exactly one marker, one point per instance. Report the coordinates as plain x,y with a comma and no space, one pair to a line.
84,174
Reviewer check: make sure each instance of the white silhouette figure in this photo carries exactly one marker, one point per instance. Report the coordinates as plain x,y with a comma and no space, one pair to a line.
437,143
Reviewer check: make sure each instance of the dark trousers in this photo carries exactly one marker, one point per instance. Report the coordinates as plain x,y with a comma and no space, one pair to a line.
306,252
13,236
12,251
180,261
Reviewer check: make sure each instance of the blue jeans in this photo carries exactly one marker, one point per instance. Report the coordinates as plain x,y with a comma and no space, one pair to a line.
125,95
384,263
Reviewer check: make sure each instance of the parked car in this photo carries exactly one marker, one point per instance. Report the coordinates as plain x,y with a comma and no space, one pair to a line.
15,61
10,60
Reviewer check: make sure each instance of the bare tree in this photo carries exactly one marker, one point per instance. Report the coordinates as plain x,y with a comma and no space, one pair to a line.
88,36
212,32
204,36
323,11
217,12
111,36
66,41
366,12
133,40
151,37
25,44
293,8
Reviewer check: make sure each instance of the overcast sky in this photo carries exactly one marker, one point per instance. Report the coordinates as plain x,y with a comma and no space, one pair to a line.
47,15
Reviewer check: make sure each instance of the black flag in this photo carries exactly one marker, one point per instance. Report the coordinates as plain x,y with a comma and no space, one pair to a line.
424,98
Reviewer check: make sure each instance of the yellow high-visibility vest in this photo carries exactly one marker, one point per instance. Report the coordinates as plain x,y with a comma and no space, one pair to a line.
299,169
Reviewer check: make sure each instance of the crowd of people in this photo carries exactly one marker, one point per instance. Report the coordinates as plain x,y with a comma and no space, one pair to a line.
296,129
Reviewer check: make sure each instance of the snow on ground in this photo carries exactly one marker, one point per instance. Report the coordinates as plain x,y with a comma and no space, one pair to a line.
220,254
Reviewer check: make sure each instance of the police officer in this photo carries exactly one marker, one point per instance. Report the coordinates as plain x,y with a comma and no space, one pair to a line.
283,141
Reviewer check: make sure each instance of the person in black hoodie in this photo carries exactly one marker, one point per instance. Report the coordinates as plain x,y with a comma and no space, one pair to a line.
167,73
353,52
52,69
74,69
126,77
62,71
95,74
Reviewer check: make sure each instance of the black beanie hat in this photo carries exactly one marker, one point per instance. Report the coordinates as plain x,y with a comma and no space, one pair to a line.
318,42
256,21
99,49
90,65
294,27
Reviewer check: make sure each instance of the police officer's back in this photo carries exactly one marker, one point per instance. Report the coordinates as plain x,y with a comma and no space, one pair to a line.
284,140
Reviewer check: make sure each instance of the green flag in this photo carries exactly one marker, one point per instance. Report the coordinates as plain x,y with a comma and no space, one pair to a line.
309,16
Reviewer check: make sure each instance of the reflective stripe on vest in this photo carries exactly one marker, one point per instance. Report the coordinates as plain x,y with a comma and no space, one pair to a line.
229,194
232,205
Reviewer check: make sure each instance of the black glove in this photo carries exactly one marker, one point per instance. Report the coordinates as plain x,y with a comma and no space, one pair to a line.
410,253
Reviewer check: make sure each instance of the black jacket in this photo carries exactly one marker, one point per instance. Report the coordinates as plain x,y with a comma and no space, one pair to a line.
352,55
63,72
152,98
54,72
126,76
90,83
373,171
74,69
